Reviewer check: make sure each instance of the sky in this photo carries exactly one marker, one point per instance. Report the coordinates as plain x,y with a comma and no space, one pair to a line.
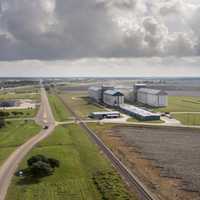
99,38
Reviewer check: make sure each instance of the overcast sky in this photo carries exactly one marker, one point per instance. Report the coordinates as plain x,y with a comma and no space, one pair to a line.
99,37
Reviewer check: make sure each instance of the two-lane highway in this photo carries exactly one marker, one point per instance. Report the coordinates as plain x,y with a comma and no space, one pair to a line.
44,118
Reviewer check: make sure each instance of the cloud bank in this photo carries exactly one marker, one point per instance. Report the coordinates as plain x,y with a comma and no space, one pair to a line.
73,29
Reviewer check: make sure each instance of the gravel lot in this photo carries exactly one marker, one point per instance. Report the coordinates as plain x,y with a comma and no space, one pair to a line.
175,151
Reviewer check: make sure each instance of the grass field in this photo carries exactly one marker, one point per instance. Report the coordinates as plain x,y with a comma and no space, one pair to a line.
59,111
6,96
79,159
19,113
14,134
181,104
81,104
188,119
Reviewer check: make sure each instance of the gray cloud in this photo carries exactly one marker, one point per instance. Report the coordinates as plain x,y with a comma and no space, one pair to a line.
66,29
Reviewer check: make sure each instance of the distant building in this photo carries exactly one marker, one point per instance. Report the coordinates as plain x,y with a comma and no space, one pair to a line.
8,103
96,92
113,98
102,115
139,113
151,97
136,87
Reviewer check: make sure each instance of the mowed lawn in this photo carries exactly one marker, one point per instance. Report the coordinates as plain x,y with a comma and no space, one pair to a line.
14,134
81,104
181,104
79,160
188,118
59,111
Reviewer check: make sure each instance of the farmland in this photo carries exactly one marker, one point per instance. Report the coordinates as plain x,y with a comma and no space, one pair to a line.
81,104
76,178
14,134
181,104
166,159
59,111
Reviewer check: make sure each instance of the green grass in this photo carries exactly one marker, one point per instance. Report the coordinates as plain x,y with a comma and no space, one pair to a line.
181,104
81,104
79,161
14,134
59,111
188,119
6,96
20,113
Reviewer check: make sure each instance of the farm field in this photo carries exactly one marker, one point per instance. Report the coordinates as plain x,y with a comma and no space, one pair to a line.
14,134
76,178
181,104
59,111
165,159
81,104
188,118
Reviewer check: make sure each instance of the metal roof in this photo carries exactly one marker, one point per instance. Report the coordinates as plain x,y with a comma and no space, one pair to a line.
113,92
95,88
138,111
106,113
152,91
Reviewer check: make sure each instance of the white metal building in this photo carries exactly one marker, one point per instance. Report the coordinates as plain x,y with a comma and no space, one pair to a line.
151,97
113,98
95,93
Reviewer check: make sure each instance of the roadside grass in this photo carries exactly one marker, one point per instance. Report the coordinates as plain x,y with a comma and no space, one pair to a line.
188,118
81,104
14,134
59,111
79,159
181,104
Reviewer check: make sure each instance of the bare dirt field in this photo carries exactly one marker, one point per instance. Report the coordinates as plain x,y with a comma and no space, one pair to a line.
175,151
167,160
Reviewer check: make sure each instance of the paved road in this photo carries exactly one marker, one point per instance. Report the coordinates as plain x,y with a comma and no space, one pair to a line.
44,117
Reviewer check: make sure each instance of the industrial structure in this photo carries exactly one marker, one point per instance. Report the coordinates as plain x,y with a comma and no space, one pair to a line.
102,115
139,113
136,87
113,98
151,97
96,93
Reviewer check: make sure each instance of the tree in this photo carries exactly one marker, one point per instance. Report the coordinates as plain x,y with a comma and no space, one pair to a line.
54,163
39,166
40,169
35,159
2,123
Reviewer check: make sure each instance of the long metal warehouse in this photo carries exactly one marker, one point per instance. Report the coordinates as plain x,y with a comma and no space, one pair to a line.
139,113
